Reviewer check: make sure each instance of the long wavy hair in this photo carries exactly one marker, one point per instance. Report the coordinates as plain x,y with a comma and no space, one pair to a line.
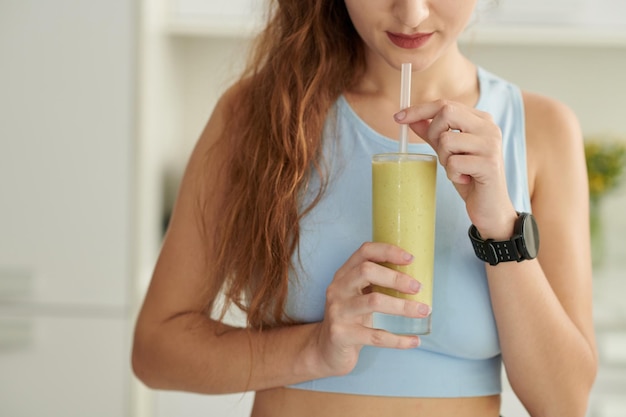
307,55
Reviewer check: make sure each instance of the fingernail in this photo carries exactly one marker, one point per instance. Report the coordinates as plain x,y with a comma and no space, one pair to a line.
400,115
414,286
415,342
407,256
424,309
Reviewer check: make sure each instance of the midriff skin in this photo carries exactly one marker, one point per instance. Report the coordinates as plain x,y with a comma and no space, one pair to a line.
289,402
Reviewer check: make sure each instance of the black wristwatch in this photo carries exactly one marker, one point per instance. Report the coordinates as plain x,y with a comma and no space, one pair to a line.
522,246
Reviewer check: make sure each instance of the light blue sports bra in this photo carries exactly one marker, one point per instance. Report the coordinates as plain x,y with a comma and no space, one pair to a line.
461,357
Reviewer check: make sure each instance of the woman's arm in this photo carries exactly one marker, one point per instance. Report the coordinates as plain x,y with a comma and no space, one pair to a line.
177,346
542,307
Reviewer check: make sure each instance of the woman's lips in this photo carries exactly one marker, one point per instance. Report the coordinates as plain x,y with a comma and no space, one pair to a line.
413,41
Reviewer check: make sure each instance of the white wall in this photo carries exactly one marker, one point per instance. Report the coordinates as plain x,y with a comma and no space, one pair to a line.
67,120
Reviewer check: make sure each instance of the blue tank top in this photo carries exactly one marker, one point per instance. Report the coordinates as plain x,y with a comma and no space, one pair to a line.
461,357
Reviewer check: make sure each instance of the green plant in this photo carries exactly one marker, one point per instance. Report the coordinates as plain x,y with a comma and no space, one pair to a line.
606,161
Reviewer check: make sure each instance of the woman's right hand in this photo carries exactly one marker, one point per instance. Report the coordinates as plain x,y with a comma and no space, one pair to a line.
347,324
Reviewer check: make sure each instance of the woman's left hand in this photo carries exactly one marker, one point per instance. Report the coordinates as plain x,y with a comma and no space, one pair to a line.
469,146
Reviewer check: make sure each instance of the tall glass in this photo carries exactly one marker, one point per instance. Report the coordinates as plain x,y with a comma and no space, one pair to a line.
403,214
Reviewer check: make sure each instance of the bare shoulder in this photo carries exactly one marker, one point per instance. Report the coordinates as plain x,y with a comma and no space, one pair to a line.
222,111
547,117
553,134
205,157
203,180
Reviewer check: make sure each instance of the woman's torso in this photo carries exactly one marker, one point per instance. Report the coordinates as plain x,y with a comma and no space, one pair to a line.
457,369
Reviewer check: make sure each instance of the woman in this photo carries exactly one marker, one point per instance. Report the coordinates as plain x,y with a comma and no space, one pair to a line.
273,210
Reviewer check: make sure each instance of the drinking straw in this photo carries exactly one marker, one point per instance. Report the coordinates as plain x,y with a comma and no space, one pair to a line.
405,101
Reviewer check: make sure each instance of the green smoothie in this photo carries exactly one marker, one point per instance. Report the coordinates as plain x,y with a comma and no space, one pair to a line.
403,214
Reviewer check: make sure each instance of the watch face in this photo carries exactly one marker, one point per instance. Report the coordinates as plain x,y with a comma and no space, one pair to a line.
530,234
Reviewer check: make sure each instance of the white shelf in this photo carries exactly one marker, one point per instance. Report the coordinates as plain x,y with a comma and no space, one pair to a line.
543,35
217,27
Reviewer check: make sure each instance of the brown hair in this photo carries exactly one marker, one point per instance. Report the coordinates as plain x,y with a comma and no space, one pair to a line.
308,54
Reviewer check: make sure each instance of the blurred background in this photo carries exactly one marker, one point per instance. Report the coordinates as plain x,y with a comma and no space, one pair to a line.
100,105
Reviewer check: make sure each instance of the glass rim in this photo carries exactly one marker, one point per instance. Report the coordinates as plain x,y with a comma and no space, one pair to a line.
399,156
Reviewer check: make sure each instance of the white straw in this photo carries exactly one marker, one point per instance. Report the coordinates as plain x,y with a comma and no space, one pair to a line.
405,101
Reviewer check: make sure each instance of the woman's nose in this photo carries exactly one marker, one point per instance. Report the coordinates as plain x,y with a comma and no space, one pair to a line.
411,12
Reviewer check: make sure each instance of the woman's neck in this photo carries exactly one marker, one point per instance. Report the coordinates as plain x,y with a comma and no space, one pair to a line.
451,77
376,96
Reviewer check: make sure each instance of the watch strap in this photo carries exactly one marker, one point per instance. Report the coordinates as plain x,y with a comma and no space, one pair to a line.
492,251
